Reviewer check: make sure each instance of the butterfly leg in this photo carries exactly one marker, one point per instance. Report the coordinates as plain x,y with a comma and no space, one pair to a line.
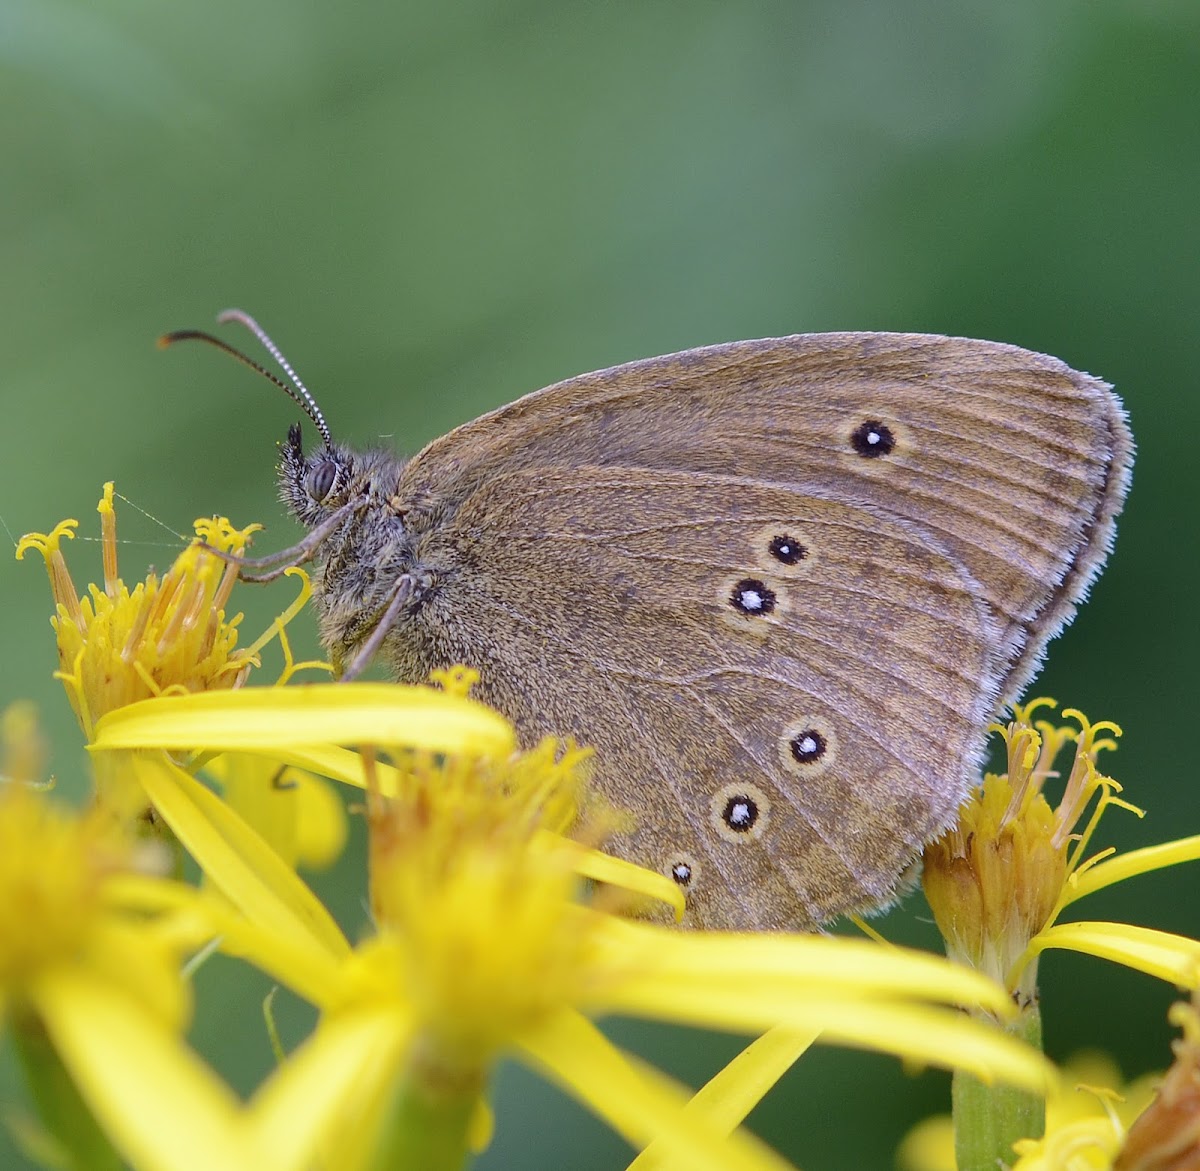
402,591
285,559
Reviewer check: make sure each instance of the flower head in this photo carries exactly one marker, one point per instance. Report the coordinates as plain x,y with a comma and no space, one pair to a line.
56,914
997,877
998,882
92,991
478,914
165,636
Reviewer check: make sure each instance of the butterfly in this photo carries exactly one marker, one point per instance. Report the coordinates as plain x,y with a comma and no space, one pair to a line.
781,586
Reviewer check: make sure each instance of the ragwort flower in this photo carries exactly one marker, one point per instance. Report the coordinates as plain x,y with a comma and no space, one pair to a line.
165,636
161,649
998,881
90,972
1087,1113
487,942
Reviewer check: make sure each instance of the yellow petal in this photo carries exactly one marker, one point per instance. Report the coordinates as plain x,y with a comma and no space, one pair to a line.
601,867
1174,958
133,891
262,719
246,870
329,1096
1122,866
726,1099
638,1104
929,1146
667,958
1091,1143
295,960
854,991
931,1036
160,1106
142,958
321,824
299,815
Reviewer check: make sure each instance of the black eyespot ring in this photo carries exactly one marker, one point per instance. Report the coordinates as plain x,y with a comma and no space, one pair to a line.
319,479
873,439
740,813
807,746
681,872
787,549
751,596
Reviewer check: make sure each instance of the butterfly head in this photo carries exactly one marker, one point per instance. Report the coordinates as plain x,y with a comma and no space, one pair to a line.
359,540
314,485
361,527
318,484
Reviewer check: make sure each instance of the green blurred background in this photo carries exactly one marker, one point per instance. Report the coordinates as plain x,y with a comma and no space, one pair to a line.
436,207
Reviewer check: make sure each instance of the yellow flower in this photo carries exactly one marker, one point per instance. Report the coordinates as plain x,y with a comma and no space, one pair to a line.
999,880
1087,1112
486,942
91,948
55,868
116,645
301,726
132,657
90,956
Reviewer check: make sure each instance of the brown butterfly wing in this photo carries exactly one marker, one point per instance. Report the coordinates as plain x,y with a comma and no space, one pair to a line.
601,603
600,545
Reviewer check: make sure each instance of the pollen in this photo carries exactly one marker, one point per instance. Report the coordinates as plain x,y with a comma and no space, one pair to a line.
167,635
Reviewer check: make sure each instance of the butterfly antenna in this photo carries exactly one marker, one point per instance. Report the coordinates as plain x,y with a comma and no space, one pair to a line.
309,403
296,391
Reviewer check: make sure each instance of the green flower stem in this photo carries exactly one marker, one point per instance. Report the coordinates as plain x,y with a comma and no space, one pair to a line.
152,828
427,1125
64,1114
988,1119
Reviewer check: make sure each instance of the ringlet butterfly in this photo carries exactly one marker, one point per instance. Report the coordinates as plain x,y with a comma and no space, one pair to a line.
780,585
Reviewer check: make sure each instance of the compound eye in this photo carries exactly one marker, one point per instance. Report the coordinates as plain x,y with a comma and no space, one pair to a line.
318,481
